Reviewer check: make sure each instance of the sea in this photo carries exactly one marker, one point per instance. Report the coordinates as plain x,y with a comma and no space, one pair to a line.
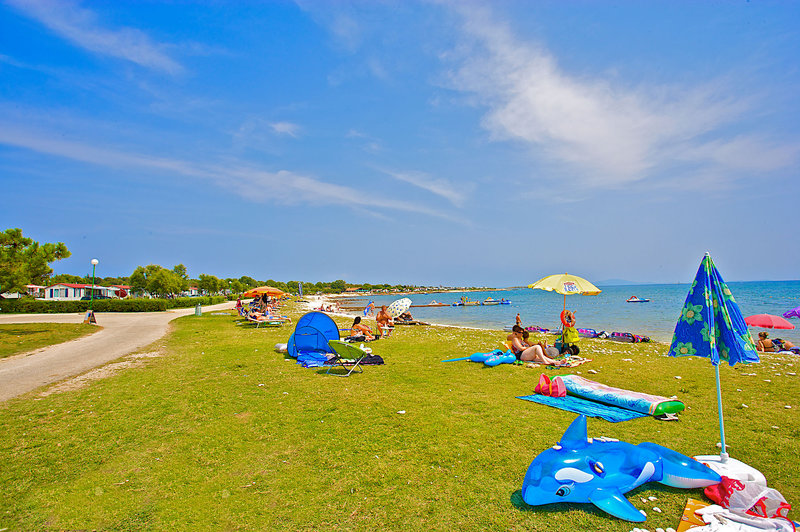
607,311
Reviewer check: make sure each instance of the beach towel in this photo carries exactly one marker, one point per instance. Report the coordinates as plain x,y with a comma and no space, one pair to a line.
582,406
572,361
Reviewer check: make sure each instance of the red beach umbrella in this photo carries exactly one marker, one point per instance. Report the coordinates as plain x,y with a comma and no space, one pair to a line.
768,321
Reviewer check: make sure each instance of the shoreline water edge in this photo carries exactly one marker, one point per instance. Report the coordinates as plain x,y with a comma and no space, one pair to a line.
609,312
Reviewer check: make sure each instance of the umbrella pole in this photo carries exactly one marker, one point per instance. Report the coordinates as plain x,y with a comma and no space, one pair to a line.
723,455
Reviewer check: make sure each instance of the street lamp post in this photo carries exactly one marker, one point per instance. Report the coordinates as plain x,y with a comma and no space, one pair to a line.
90,313
94,265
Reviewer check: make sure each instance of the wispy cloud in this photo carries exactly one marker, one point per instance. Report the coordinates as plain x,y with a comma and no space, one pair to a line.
286,128
82,27
610,135
247,180
454,193
370,143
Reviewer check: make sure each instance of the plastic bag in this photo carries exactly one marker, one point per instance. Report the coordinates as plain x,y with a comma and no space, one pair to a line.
748,497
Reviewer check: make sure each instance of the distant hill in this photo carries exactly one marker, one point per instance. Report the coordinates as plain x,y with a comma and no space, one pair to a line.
621,282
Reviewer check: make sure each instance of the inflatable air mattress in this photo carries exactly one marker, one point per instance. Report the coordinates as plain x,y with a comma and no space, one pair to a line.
644,403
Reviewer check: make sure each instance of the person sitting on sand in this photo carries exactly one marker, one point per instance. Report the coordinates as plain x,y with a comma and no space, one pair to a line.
359,329
383,320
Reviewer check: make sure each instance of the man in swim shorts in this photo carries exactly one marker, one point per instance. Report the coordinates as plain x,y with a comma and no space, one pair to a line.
384,320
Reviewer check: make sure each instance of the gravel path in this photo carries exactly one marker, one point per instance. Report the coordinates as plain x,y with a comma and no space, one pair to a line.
121,334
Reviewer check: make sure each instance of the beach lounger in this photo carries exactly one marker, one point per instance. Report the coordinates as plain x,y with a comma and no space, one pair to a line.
587,333
270,321
345,355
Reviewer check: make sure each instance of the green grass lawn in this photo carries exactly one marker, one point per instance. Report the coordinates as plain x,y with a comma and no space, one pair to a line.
223,433
22,337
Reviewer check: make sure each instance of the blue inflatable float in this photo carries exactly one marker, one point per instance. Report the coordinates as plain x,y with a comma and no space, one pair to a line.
600,471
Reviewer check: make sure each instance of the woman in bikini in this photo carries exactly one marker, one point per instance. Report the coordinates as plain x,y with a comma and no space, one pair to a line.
359,329
532,353
765,345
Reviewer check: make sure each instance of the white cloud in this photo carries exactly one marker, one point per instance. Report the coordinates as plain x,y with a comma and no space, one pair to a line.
455,194
286,128
250,182
608,134
82,27
370,144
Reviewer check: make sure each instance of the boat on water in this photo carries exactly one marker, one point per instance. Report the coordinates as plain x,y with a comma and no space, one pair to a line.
465,302
634,299
491,301
433,303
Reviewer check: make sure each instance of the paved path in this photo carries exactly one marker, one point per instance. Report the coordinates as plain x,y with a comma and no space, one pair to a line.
121,334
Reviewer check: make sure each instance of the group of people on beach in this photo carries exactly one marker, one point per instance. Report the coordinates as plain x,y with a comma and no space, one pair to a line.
540,352
524,350
262,308
383,323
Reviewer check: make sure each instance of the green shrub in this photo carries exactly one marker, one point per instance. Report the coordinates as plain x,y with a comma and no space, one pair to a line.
185,302
33,306
130,305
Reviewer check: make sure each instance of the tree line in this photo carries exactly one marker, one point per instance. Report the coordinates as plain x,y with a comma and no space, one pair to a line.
24,261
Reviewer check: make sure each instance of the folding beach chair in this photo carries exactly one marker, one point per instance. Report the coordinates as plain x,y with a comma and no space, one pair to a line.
345,355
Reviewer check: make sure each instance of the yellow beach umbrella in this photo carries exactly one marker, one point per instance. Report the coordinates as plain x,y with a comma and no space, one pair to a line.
566,284
264,290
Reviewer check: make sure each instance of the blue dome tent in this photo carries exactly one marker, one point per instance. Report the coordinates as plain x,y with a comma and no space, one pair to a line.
310,337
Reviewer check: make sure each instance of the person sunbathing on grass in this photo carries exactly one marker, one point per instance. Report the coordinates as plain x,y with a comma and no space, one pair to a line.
516,332
359,329
405,316
532,353
772,346
550,351
536,354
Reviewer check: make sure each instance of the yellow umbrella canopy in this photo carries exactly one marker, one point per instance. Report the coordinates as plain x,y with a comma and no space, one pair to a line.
566,284
262,290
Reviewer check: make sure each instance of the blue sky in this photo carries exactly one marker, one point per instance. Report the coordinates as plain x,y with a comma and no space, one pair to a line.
427,143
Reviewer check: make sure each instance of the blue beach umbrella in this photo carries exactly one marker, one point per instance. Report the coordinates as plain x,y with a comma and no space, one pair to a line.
711,325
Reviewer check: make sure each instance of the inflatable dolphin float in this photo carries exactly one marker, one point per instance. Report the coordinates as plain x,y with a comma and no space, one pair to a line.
601,470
